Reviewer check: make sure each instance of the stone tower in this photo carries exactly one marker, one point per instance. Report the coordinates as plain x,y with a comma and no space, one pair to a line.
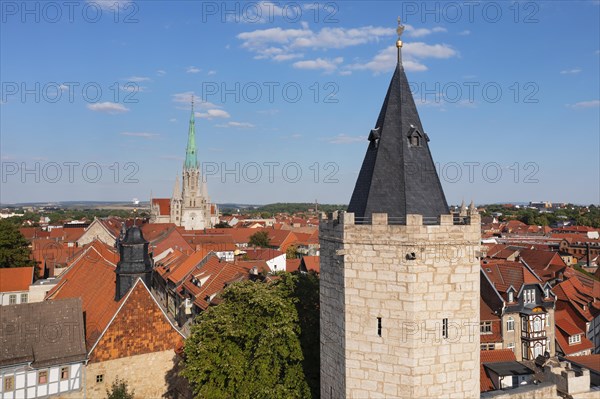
399,274
134,262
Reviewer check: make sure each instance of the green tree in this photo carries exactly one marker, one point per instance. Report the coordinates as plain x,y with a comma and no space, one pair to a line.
259,239
119,390
222,225
248,346
14,248
291,252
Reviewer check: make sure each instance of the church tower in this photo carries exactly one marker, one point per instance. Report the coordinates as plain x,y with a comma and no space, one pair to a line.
192,205
399,274
134,263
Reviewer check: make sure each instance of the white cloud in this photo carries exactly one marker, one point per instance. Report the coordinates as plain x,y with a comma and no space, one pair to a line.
137,79
320,63
412,53
161,72
420,32
213,113
192,69
108,107
586,104
173,120
144,135
571,71
244,125
465,33
211,73
186,98
344,139
283,44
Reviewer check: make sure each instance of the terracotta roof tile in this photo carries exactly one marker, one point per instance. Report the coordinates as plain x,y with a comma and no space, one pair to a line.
91,278
591,362
15,279
164,205
139,326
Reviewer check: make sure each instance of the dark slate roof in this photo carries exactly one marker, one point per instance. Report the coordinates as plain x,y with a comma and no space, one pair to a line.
397,178
43,333
504,369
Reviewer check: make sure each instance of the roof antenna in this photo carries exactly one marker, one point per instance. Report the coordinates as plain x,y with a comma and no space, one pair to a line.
399,43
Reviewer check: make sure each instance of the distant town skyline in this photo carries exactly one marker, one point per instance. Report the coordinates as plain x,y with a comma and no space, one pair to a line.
95,101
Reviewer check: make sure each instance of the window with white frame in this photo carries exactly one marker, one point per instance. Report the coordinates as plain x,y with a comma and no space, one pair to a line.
574,339
12,299
24,298
529,296
485,327
510,324
511,296
511,346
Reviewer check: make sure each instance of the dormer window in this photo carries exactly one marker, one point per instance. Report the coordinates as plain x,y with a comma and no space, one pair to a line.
414,137
547,292
511,296
574,339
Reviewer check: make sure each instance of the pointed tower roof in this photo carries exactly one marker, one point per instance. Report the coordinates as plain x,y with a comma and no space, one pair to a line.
191,158
398,176
176,189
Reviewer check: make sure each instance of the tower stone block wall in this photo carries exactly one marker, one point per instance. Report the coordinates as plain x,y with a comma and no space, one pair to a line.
399,307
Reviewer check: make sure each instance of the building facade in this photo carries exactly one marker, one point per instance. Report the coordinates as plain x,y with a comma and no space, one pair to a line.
399,289
189,205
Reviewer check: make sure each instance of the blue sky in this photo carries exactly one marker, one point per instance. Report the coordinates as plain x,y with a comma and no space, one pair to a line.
508,92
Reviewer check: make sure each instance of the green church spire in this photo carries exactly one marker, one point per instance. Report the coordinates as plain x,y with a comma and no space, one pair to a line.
191,159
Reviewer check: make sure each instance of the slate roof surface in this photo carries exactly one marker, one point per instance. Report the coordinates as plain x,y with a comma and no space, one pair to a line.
43,333
396,178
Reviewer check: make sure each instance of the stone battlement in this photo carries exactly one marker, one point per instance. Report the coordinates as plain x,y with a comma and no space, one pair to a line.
379,219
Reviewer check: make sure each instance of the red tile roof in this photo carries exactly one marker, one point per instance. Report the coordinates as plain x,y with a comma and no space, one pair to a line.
91,278
15,279
312,263
591,362
562,339
503,274
164,205
139,326
493,356
181,271
209,279
291,265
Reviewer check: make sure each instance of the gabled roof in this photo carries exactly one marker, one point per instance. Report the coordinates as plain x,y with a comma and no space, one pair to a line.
504,274
138,326
562,339
90,277
310,263
398,178
14,279
209,279
29,333
187,266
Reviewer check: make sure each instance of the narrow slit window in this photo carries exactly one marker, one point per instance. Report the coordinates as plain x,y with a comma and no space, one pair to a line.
379,326
445,328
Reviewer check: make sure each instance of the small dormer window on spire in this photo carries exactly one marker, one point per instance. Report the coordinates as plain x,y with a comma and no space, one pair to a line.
415,138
